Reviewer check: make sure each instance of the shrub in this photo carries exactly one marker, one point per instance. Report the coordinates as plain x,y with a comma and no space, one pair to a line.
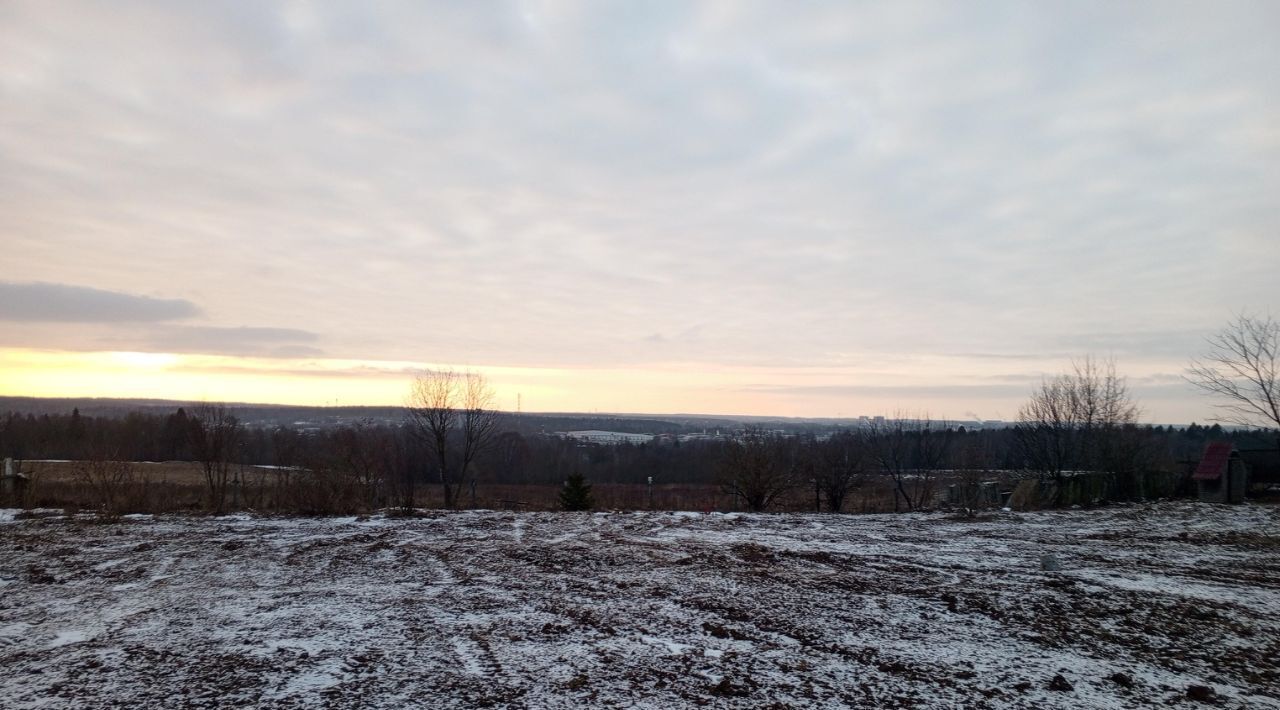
576,494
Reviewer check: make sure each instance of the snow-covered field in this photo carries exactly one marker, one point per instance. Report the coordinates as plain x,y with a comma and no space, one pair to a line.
652,610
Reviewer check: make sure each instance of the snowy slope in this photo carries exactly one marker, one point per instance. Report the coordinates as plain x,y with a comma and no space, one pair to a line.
653,610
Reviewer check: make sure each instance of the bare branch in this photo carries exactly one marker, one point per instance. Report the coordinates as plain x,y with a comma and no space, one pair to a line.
214,435
1084,419
757,469
1241,367
452,413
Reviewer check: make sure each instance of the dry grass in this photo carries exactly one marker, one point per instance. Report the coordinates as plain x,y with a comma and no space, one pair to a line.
172,486
161,487
175,472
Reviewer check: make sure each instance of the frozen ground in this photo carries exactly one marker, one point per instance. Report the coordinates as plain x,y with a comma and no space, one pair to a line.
652,610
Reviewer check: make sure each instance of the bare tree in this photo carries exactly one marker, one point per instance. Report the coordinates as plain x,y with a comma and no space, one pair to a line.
324,486
405,463
214,435
756,469
360,451
107,477
910,449
839,468
1049,429
1242,368
511,455
452,413
974,472
1083,419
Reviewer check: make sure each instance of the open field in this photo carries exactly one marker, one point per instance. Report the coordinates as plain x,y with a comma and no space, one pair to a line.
176,486
644,610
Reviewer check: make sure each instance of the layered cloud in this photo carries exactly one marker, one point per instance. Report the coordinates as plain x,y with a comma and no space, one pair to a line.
111,320
61,303
241,340
599,185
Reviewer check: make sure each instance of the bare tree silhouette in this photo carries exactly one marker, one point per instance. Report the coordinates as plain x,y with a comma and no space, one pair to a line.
1242,367
452,412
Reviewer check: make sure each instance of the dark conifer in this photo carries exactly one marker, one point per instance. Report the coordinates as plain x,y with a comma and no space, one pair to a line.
576,494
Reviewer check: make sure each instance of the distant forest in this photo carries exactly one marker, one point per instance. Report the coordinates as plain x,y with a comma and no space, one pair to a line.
526,451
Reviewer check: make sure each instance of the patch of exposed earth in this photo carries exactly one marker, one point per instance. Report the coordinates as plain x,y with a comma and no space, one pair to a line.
1175,603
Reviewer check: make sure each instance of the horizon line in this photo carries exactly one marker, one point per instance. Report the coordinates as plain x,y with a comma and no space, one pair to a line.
690,415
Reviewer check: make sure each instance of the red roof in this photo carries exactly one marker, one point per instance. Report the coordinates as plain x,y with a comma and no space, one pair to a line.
1214,462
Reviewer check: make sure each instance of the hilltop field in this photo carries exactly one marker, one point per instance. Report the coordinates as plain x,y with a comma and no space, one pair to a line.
1170,603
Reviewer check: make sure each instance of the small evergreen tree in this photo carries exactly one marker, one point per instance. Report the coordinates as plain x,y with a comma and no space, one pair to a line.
576,494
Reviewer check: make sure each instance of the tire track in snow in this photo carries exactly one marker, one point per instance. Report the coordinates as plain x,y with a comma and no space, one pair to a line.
469,654
473,653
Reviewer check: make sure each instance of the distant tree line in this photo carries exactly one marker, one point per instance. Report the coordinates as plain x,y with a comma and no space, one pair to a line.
386,463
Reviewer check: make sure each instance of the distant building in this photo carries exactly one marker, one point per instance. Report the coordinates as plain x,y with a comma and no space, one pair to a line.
701,436
1222,475
596,436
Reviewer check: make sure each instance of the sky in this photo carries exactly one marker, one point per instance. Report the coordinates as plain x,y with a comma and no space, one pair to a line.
787,208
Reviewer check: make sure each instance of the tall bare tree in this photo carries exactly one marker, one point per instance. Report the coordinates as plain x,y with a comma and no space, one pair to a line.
214,434
452,412
1242,367
1083,419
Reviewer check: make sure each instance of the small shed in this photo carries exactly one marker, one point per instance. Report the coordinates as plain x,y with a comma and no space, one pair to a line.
1222,475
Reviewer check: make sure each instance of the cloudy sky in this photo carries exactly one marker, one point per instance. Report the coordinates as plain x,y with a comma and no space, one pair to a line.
777,208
